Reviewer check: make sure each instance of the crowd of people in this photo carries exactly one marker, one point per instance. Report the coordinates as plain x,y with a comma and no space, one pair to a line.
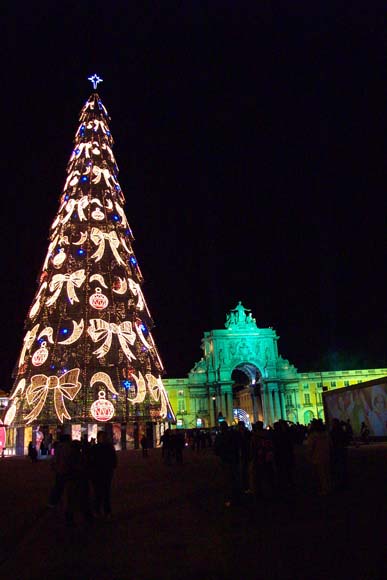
258,462
83,477
261,462
172,446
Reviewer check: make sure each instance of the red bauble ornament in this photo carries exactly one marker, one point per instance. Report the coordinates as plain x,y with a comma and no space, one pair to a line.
102,410
98,300
40,356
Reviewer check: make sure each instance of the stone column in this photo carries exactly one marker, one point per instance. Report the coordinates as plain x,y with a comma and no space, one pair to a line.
211,409
270,404
227,404
277,405
266,404
283,403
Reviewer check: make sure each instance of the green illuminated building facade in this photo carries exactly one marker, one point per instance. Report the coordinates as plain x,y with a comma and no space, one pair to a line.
242,373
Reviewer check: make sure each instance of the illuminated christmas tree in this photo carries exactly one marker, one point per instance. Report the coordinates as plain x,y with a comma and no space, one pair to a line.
88,353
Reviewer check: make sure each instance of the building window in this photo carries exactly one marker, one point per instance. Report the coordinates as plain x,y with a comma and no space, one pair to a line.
333,383
346,383
319,398
180,406
306,385
288,400
307,399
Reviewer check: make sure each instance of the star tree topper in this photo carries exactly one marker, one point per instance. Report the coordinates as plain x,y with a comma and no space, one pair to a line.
95,79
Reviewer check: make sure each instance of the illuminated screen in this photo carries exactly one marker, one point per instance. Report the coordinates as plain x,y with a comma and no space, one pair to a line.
363,405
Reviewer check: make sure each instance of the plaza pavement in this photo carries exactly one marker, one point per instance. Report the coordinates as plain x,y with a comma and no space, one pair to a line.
169,523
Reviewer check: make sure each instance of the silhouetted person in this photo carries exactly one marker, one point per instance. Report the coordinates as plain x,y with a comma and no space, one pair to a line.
243,442
261,462
226,448
103,461
364,433
144,445
167,450
283,455
61,466
77,484
349,431
339,442
196,440
318,448
32,453
179,446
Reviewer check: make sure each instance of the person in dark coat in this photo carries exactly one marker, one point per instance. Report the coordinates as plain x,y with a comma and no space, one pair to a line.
144,445
243,441
167,450
61,465
339,455
262,482
179,446
102,463
77,484
283,456
32,453
227,449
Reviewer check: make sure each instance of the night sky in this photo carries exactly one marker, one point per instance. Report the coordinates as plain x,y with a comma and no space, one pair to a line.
251,142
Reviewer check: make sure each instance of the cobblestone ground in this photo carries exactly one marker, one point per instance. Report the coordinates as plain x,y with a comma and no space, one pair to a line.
169,522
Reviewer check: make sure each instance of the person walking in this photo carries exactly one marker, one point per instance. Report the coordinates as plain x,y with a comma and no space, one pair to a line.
103,461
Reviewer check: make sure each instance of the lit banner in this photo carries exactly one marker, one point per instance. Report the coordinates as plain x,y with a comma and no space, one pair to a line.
363,404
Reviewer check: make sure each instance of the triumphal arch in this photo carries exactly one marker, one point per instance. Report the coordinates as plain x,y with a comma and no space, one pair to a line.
242,376
240,371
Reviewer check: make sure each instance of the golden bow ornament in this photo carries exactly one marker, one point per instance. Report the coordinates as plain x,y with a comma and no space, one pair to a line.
73,280
99,237
80,205
65,386
100,173
101,330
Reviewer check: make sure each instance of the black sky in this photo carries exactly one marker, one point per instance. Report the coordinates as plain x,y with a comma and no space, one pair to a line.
250,138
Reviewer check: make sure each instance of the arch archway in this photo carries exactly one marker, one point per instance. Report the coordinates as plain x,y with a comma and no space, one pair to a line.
308,416
246,389
291,416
